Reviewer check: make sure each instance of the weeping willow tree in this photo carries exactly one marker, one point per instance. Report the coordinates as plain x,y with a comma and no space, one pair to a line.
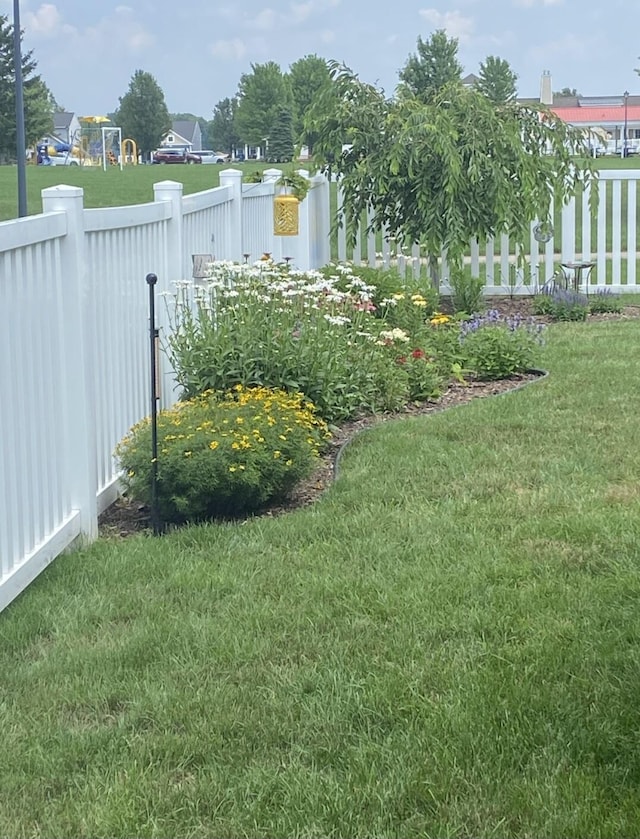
444,172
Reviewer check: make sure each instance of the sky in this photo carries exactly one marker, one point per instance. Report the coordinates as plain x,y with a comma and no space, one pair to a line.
197,50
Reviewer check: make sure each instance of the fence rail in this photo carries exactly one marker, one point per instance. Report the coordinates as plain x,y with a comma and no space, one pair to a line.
74,366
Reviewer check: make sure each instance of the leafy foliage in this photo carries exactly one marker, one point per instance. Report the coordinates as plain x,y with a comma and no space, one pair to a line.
309,77
495,347
467,291
280,147
39,103
444,171
433,67
222,131
497,81
223,455
562,304
143,114
264,325
262,94
604,301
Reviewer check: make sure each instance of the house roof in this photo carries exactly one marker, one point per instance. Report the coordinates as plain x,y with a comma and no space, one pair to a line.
62,120
185,128
594,114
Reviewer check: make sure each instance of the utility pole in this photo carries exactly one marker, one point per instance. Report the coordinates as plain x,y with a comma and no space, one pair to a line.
20,133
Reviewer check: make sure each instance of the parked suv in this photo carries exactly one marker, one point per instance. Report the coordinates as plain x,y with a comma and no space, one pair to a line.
174,156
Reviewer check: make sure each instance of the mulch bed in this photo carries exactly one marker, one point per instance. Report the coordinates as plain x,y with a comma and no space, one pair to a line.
126,517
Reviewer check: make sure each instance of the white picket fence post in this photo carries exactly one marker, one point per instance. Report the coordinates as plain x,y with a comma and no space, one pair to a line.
76,307
233,178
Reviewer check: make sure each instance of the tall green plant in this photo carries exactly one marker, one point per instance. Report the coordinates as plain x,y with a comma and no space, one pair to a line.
444,171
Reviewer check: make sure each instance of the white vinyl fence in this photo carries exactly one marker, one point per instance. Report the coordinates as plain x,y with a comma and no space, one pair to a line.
609,239
74,345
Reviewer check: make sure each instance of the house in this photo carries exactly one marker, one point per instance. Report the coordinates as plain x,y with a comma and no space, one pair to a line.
615,117
184,134
66,127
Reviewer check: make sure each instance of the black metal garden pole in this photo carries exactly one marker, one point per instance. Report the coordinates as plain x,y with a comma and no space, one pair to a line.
153,335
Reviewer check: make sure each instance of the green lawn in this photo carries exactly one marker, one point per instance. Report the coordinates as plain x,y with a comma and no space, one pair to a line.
446,644
110,188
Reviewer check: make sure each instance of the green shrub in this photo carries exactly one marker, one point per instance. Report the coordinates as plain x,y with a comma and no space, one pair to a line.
495,347
562,305
604,301
265,325
467,292
223,455
425,379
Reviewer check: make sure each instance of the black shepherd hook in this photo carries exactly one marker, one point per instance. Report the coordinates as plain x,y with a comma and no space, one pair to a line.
153,335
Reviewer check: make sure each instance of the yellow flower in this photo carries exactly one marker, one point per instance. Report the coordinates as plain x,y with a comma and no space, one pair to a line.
213,445
188,454
277,454
233,468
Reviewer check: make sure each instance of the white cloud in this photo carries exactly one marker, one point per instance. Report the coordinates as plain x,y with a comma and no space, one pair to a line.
301,11
234,48
120,30
266,20
46,22
455,24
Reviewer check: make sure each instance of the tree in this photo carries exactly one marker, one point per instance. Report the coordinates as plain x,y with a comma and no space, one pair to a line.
143,114
566,91
280,148
497,81
222,129
444,172
434,66
261,96
309,77
38,101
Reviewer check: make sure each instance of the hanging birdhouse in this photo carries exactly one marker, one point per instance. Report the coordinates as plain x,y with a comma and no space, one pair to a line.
285,215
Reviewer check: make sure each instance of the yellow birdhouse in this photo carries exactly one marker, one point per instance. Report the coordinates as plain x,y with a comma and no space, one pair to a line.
285,215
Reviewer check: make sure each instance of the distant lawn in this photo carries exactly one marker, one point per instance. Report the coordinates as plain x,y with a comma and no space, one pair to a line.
113,188
446,645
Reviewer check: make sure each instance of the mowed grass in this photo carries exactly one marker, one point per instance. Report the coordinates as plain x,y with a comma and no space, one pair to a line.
110,188
446,645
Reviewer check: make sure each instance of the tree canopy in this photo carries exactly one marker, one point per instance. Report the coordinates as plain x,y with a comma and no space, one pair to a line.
434,66
143,114
497,81
442,172
566,91
262,94
222,128
309,78
38,100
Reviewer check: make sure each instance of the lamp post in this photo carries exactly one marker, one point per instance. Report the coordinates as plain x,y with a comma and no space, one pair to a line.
20,133
624,141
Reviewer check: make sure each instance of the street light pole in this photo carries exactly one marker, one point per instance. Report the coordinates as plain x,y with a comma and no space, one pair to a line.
20,132
624,142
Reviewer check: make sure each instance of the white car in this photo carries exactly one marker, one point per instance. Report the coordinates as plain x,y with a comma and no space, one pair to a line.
64,159
208,156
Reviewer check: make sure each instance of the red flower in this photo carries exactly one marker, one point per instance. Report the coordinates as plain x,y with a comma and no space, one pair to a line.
418,354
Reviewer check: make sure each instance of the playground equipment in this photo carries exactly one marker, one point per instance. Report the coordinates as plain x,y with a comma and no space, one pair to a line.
132,155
